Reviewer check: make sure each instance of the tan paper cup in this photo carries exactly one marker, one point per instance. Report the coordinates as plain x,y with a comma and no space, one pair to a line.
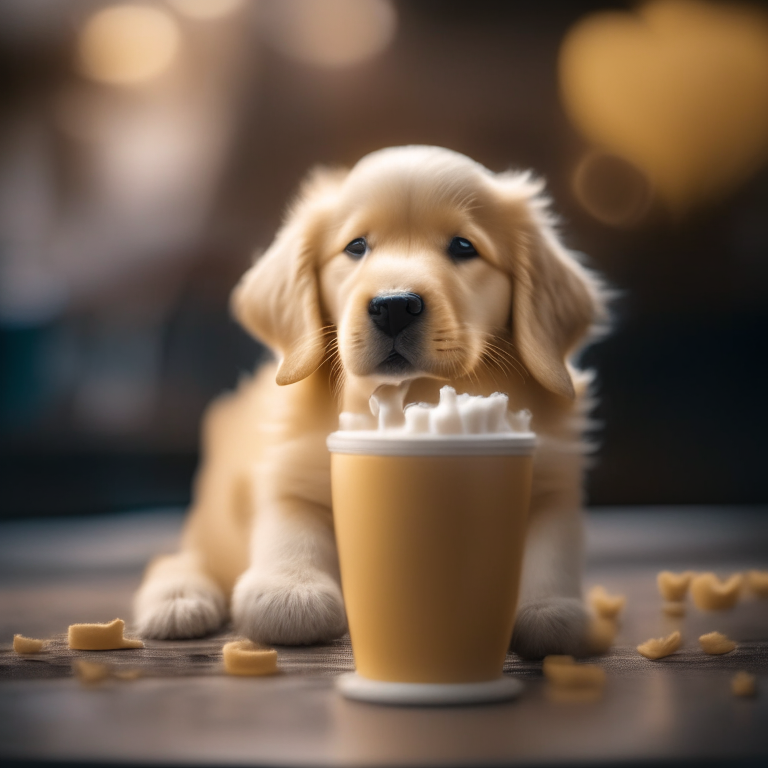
430,532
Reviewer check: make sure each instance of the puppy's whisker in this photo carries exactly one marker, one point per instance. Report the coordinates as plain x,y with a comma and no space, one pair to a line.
332,357
507,356
499,356
309,340
501,361
337,371
338,374
494,361
505,344
338,389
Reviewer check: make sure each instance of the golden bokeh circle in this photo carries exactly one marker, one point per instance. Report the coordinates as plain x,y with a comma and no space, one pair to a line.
127,44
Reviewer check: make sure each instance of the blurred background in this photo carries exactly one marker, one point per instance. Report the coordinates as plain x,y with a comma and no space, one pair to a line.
148,148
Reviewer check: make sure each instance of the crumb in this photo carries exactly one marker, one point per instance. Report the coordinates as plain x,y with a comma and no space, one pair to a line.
757,581
673,608
90,672
602,633
743,684
674,586
716,643
658,648
242,657
711,594
23,644
563,672
605,606
100,637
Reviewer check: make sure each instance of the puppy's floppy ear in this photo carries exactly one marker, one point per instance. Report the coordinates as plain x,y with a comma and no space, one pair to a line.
555,301
277,299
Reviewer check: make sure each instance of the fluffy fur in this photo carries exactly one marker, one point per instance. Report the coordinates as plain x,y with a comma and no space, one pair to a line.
260,533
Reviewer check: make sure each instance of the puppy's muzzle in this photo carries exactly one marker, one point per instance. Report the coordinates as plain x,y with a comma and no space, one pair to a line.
394,313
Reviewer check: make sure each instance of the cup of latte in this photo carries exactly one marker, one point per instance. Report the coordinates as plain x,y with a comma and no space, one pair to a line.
430,513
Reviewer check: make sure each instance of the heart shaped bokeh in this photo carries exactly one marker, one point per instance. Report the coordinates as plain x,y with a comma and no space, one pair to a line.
679,88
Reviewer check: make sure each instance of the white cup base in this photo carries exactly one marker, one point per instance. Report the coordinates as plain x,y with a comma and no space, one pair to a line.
353,686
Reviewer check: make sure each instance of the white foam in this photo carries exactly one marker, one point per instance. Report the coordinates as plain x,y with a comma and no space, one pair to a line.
454,415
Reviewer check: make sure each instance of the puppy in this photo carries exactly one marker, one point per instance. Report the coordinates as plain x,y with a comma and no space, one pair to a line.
420,266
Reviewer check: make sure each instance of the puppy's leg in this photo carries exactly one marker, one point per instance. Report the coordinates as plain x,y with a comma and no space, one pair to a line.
291,594
177,599
551,616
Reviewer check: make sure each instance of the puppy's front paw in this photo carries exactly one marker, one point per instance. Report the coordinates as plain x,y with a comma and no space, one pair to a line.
180,610
288,610
550,625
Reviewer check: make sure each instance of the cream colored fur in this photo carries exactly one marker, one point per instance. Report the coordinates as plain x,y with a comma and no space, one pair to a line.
260,532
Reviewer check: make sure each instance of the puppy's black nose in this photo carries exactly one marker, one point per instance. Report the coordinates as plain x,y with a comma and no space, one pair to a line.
391,314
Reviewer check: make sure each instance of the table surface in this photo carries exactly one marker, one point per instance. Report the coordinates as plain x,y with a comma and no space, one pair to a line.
183,709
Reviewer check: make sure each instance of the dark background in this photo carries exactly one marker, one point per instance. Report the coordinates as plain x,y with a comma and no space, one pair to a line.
128,212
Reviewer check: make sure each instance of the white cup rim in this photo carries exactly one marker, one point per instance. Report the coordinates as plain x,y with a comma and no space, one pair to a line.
375,443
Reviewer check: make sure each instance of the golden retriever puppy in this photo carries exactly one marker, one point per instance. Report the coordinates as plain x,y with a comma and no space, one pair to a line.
421,266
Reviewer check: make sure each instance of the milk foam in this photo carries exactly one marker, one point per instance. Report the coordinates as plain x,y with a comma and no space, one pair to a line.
454,415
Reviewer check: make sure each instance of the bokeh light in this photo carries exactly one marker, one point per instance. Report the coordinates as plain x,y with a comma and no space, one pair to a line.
207,9
610,189
127,44
332,33
679,88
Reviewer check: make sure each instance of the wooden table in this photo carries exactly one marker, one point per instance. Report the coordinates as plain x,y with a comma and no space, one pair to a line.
183,710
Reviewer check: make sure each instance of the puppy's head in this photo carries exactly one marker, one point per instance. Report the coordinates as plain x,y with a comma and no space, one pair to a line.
418,262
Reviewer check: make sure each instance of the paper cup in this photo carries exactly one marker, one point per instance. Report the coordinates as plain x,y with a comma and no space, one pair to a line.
430,532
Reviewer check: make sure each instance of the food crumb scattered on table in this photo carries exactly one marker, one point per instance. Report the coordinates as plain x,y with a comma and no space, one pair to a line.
716,643
658,648
711,594
24,645
100,637
674,586
757,582
243,657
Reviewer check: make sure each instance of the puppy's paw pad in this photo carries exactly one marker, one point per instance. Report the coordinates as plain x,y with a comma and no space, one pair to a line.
286,610
555,625
180,614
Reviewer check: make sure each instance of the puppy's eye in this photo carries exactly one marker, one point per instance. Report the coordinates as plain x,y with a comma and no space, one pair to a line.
357,248
461,248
